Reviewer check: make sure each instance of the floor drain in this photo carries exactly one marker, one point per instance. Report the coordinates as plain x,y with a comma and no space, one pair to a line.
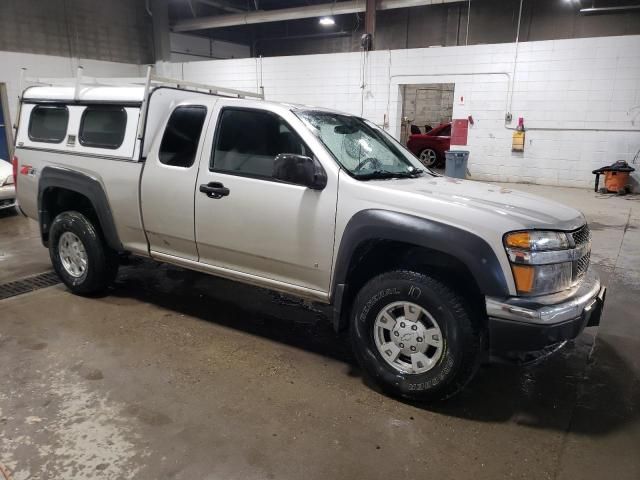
29,284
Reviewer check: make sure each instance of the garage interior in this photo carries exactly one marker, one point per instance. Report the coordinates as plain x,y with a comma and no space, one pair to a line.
177,374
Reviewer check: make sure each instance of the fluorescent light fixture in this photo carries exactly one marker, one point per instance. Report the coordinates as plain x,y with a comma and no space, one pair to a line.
327,21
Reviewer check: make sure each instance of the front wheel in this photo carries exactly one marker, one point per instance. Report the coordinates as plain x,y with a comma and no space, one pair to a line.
79,255
414,336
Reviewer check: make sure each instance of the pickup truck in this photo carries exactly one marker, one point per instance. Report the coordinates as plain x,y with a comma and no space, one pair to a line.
430,276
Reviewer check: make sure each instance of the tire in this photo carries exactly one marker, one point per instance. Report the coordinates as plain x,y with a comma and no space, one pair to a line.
428,157
461,340
70,235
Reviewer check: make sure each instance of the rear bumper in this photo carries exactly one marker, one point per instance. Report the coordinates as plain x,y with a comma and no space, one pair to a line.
520,324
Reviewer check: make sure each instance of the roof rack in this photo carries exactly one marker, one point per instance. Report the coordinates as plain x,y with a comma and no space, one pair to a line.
149,81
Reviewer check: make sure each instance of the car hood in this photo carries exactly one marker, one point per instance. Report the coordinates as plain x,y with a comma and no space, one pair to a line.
5,167
524,209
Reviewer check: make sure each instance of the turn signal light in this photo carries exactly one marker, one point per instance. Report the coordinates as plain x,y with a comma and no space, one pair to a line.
523,276
518,240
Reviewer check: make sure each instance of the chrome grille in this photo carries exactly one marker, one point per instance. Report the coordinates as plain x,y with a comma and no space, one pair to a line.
581,266
582,235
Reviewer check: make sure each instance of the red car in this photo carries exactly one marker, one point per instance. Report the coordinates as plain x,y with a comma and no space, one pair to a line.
430,147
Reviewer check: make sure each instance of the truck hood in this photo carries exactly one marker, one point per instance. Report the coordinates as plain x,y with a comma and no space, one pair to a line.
525,209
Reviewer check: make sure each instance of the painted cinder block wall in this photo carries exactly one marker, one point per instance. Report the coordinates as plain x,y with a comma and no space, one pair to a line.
580,98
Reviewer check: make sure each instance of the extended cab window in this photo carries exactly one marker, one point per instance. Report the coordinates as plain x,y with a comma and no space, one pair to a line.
103,126
248,142
48,123
182,135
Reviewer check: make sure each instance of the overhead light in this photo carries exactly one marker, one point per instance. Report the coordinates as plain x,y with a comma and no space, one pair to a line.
327,21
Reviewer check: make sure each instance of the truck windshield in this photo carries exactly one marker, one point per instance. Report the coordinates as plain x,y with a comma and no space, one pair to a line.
363,149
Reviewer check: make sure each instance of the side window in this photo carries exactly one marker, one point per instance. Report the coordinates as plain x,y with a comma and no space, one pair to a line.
48,123
180,140
102,126
248,141
446,132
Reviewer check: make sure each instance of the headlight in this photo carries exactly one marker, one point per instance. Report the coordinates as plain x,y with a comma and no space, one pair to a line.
8,180
542,261
537,240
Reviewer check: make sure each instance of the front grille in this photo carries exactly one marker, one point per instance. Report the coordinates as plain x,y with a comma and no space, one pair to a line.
582,235
581,266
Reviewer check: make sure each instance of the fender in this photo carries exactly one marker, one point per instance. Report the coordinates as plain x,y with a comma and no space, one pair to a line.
85,185
474,252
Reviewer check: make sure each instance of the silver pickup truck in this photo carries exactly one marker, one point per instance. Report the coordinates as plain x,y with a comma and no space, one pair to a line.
429,275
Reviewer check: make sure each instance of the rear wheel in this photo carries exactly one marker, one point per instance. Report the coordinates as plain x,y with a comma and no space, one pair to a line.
428,157
414,336
79,255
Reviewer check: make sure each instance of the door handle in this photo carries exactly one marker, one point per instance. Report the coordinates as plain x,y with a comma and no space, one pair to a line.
214,190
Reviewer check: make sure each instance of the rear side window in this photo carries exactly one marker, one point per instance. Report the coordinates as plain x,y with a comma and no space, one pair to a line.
102,126
180,140
48,123
248,142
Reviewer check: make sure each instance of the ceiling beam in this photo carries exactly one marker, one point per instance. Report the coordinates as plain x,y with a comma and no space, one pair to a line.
295,13
597,10
221,5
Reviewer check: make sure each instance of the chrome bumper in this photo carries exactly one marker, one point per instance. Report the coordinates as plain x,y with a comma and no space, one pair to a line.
548,309
520,324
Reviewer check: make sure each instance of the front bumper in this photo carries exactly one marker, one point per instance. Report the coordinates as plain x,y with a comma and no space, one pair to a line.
522,324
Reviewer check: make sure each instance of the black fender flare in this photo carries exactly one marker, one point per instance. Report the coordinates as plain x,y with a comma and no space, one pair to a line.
472,251
83,184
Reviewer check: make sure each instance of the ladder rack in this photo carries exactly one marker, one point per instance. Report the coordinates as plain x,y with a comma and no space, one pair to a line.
148,82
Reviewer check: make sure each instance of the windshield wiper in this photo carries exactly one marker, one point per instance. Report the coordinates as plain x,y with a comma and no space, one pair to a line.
376,174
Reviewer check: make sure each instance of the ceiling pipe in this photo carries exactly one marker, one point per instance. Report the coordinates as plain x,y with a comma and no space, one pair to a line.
283,14
596,10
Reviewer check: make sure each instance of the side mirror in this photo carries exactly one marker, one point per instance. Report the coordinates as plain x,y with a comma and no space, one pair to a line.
292,168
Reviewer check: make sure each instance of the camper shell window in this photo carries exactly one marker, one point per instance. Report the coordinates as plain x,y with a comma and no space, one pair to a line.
48,123
103,126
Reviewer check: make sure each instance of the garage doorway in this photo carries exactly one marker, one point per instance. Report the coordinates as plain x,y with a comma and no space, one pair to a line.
425,106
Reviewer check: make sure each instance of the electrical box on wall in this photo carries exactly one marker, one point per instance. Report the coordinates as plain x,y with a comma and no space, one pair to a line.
459,131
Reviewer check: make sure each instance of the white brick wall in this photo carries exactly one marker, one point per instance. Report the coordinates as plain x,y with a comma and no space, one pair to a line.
561,86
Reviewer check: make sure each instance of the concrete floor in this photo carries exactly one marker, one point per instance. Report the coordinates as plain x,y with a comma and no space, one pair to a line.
174,374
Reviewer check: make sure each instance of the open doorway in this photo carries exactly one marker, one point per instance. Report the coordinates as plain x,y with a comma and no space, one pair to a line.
427,111
425,106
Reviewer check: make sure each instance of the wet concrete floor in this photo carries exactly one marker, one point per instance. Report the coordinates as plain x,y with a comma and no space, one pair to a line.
174,374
